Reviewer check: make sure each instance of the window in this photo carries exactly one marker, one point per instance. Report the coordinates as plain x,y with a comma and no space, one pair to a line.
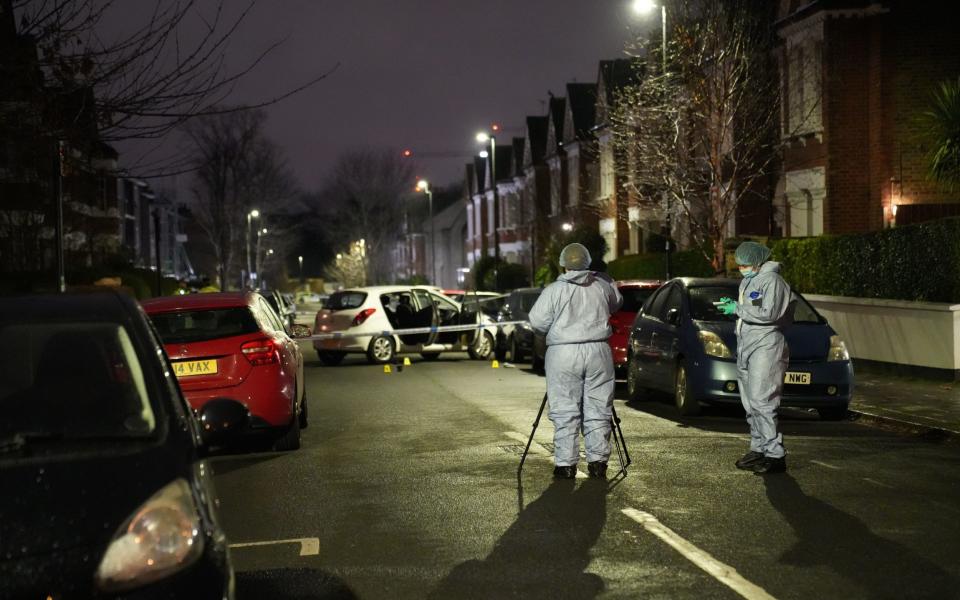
345,300
633,298
702,299
184,327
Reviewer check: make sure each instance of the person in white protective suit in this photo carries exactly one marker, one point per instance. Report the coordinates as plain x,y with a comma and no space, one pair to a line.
764,311
574,313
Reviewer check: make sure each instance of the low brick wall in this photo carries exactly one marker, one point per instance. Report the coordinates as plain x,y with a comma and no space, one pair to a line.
924,337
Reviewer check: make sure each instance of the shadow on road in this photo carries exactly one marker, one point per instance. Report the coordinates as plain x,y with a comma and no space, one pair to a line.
543,554
225,463
830,537
291,584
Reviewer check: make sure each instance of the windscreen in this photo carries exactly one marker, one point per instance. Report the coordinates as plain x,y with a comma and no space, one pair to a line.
345,300
71,380
528,300
633,298
702,308
184,327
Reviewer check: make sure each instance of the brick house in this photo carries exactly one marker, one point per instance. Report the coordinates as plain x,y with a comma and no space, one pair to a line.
536,188
556,160
580,147
855,76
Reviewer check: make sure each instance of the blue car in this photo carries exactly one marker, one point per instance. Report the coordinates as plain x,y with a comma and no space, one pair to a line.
681,344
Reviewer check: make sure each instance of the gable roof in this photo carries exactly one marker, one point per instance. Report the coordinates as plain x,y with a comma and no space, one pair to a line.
519,151
613,77
537,138
581,107
558,112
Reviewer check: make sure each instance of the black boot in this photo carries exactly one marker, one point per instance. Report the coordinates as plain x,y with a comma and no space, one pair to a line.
569,472
747,461
770,465
597,469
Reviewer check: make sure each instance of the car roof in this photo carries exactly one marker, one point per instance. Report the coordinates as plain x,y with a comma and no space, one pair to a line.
198,301
707,281
642,283
385,289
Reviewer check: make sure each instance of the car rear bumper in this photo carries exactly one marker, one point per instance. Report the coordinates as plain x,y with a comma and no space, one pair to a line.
268,392
709,380
344,344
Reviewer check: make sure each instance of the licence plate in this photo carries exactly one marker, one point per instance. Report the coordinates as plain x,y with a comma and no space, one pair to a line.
797,378
192,368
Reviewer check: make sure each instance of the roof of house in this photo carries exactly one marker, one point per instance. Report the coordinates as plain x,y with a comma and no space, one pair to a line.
519,147
583,106
537,136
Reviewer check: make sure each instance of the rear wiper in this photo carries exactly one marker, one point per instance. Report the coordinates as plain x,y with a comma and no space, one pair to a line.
19,440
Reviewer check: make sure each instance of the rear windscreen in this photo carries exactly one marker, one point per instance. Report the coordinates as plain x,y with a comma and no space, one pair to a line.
345,300
183,327
633,298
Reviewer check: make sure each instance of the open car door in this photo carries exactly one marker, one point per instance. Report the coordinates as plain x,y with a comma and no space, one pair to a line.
469,315
425,316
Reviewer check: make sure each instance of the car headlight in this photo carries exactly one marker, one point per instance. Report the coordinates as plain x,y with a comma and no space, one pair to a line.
838,350
713,345
161,537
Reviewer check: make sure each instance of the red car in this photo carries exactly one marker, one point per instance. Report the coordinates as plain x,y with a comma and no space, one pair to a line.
634,293
233,345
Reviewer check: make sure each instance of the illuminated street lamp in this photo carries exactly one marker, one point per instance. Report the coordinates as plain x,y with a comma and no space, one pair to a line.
300,260
643,7
253,214
485,138
567,227
424,186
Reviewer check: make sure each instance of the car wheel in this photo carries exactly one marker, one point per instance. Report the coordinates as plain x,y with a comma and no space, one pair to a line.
833,413
290,440
635,391
516,355
483,348
330,358
430,355
686,404
381,350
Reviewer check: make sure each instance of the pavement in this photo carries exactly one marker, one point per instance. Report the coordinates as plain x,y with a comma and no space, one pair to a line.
924,406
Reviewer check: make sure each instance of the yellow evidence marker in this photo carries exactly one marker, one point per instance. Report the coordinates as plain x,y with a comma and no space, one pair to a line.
406,361
386,369
495,364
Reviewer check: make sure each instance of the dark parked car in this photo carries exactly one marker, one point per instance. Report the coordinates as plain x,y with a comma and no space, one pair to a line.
106,493
517,340
681,344
635,293
285,308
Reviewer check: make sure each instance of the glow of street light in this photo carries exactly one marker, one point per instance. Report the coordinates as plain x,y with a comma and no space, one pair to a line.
264,231
484,154
255,213
567,227
642,7
483,137
407,153
270,251
339,256
495,127
422,185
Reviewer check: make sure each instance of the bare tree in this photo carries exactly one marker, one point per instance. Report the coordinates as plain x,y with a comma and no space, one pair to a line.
363,200
704,136
236,170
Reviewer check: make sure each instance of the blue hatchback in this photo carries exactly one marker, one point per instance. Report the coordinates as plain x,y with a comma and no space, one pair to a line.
681,344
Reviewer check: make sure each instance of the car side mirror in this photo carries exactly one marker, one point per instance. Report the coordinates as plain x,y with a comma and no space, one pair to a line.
673,316
300,331
222,420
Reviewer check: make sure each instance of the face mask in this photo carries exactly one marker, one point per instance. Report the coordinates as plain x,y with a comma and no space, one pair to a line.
747,272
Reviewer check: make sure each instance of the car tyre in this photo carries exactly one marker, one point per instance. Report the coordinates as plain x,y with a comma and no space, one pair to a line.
833,413
483,348
516,355
686,404
635,392
303,413
330,358
381,350
290,440
430,355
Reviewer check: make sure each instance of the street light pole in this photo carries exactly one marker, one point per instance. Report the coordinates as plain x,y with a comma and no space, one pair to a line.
484,137
300,260
256,256
424,185
58,223
250,216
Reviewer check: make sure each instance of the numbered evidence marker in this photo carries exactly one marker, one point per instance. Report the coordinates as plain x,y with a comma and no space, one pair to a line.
495,364
406,361
386,369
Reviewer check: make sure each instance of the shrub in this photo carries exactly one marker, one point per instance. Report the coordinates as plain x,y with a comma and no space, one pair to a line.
688,263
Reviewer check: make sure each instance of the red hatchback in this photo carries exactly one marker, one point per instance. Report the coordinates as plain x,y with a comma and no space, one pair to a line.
233,345
634,293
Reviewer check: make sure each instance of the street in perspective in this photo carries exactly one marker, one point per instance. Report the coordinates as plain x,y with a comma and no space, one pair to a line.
539,299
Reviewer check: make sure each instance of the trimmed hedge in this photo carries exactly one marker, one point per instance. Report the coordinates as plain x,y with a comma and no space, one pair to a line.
916,262
688,263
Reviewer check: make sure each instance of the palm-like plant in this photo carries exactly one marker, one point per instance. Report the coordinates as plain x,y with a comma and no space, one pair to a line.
943,125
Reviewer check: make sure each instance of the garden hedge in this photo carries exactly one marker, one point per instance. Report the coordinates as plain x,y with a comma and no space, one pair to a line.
688,263
916,262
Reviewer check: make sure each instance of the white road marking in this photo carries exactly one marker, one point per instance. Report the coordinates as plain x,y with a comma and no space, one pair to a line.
879,483
723,573
827,465
537,448
308,546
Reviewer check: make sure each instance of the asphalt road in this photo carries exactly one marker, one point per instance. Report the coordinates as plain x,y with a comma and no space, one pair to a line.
406,487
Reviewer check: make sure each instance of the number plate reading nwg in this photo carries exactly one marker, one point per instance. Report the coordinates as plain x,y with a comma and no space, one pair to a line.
192,368
797,378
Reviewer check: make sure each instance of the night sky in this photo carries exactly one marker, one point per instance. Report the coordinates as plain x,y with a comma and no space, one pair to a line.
419,74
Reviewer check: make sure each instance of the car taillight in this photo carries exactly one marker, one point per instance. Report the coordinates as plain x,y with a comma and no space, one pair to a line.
260,352
363,315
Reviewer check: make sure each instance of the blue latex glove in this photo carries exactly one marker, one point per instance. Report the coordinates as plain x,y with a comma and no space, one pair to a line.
728,306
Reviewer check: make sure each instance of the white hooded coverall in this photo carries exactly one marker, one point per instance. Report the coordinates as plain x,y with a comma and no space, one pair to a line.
574,311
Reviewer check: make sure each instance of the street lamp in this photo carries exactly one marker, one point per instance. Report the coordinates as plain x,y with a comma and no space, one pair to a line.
253,214
567,227
300,260
256,256
424,186
485,138
642,7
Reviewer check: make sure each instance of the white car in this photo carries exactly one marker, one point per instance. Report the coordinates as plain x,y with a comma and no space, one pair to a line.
362,315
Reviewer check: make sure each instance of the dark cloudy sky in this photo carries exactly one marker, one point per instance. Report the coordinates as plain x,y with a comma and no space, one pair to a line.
419,74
